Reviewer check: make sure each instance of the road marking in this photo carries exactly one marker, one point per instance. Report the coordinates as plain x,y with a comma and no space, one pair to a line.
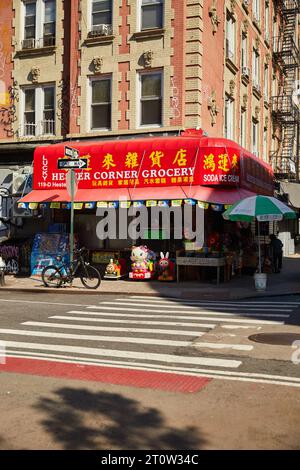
110,339
185,317
200,302
136,322
216,374
43,303
127,354
111,328
236,327
238,347
189,307
203,312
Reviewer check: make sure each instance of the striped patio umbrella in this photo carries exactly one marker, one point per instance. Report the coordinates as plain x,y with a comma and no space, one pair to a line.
262,208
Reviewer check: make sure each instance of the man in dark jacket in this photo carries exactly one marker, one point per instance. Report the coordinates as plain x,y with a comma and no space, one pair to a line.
276,252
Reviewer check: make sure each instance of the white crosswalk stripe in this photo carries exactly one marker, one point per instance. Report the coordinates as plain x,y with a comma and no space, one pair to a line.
162,334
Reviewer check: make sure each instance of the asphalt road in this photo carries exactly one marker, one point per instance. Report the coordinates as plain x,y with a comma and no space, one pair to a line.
89,372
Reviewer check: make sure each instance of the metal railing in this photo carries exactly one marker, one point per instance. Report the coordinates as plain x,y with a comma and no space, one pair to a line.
38,129
32,43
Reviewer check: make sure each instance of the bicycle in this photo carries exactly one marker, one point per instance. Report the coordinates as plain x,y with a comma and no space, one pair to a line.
55,276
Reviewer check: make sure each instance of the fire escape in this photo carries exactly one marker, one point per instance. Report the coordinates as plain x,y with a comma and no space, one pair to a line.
285,106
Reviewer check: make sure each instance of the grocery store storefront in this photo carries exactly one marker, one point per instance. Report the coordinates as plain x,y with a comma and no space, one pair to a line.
191,169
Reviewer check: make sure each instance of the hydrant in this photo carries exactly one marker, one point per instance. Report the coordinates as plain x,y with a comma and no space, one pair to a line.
2,271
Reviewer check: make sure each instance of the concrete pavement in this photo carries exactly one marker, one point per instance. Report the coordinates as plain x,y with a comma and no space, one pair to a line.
287,282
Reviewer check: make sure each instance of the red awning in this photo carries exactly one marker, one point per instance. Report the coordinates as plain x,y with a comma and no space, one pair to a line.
82,195
162,193
216,195
199,193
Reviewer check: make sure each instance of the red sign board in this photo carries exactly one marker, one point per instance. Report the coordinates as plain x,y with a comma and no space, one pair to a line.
160,162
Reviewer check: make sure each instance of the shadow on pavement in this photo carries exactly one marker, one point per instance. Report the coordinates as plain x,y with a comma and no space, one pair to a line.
81,419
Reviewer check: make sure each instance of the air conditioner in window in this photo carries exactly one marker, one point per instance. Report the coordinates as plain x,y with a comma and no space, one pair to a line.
246,72
101,30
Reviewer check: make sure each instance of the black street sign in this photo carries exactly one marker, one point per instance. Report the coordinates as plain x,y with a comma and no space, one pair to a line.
71,153
79,163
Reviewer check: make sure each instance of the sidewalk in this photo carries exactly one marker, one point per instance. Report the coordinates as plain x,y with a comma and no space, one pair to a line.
287,282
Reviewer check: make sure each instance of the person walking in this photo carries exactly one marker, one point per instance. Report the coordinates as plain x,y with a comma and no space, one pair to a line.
276,252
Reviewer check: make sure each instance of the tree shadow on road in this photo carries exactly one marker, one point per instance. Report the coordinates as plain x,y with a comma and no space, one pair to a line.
81,419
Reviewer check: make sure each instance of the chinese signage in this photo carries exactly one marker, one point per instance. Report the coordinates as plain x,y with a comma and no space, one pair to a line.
219,166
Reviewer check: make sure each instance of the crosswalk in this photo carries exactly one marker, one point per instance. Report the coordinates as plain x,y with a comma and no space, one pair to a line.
153,334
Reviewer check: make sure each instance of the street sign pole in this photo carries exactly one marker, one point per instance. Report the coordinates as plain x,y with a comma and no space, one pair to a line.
72,217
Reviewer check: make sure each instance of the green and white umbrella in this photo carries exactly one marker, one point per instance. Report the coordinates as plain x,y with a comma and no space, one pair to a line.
262,208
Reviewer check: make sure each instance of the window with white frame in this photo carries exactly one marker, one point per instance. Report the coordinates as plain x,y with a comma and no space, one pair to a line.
256,69
256,10
39,17
265,154
151,14
39,111
102,16
255,137
243,135
101,103
229,118
151,98
244,53
230,37
266,83
267,20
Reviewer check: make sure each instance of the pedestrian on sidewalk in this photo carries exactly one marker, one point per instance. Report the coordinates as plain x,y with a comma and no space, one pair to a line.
276,246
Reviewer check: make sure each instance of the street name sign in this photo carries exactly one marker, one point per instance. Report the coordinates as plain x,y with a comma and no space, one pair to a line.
71,153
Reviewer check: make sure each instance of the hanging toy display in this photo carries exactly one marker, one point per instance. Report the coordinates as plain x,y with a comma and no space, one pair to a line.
166,268
113,270
141,265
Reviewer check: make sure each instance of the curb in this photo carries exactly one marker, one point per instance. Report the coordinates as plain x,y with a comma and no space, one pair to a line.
66,291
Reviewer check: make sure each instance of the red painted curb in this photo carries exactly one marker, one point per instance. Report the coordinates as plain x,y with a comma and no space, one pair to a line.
111,375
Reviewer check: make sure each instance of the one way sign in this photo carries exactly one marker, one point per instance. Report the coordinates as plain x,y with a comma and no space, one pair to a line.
79,163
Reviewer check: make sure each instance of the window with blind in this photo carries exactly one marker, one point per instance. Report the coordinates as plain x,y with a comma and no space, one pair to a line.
101,104
151,98
151,14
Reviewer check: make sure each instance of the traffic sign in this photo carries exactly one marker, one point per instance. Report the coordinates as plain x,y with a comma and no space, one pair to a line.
71,153
66,164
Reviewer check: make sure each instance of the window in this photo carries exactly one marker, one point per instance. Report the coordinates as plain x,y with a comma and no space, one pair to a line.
243,139
101,104
266,83
39,24
256,69
30,21
29,113
151,98
265,154
39,111
256,10
255,137
49,23
229,118
267,21
151,14
230,37
244,55
102,16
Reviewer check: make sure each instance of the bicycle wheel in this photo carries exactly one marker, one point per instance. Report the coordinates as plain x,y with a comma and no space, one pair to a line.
51,277
90,277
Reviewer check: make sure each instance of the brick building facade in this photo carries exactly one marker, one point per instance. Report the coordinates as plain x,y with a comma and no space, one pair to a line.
112,68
